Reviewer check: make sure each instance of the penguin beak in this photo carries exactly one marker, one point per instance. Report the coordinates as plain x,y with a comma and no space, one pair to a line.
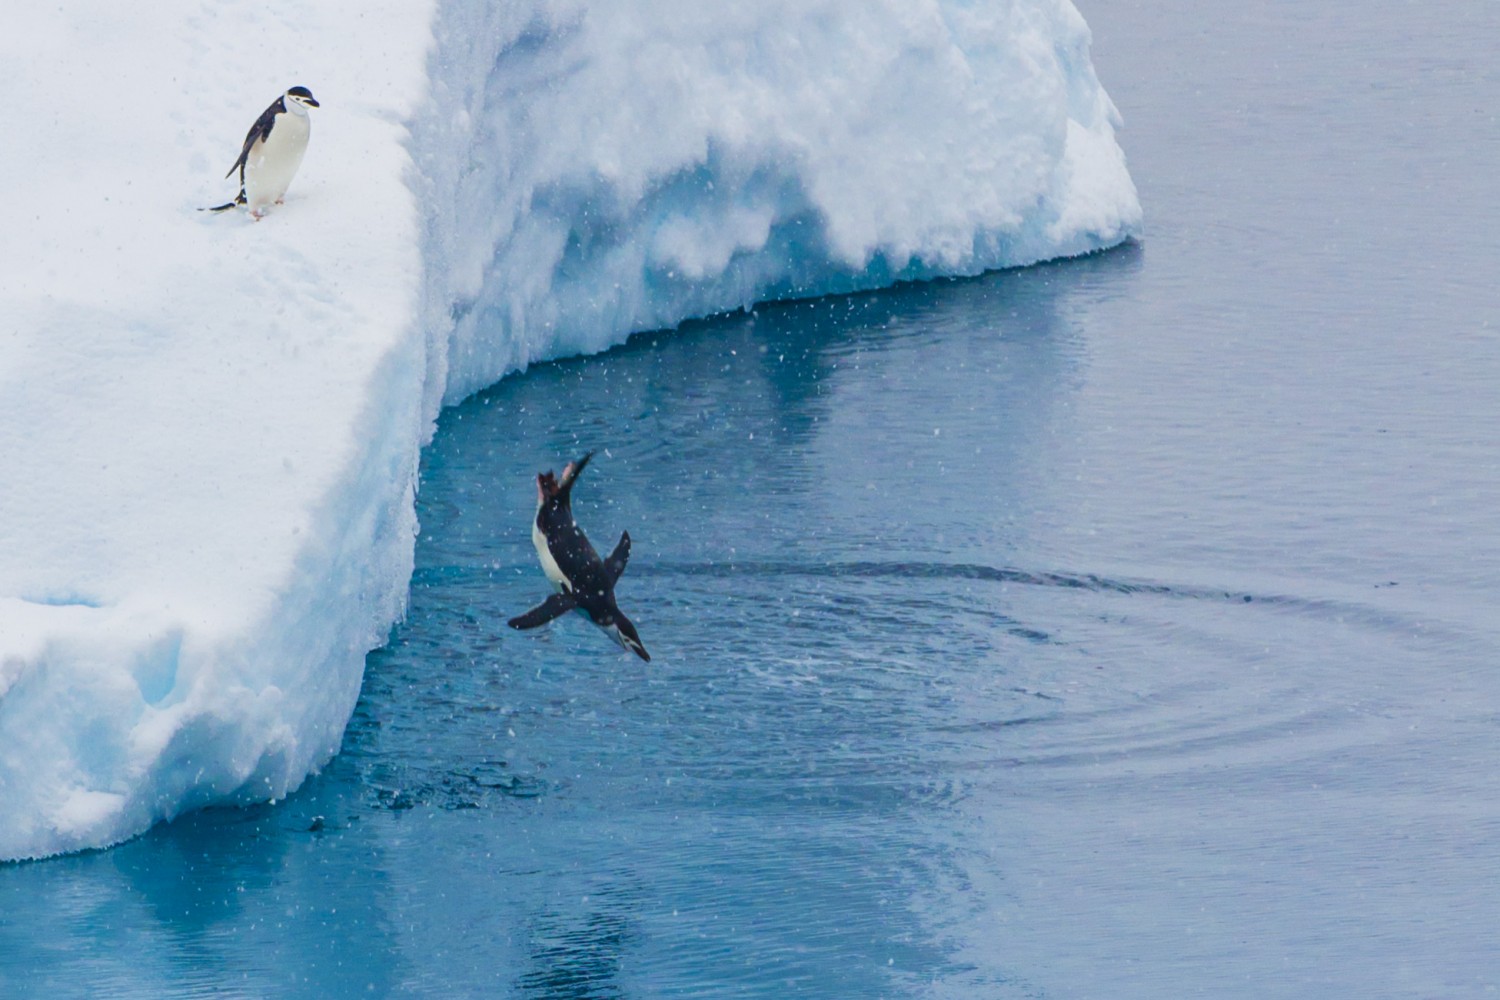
625,634
622,631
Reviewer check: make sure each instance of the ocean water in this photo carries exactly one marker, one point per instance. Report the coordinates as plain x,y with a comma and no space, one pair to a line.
1121,627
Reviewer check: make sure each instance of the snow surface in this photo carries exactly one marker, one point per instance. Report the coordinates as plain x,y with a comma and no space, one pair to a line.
211,427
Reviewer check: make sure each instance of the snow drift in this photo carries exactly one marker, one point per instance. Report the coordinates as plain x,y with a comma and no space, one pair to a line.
211,428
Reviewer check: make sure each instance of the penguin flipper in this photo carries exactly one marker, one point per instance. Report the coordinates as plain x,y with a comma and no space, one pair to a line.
259,132
558,604
615,564
256,133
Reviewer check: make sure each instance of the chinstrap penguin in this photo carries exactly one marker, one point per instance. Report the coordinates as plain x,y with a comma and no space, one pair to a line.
272,152
584,582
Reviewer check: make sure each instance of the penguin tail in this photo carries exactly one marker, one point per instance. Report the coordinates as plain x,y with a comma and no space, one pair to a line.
239,199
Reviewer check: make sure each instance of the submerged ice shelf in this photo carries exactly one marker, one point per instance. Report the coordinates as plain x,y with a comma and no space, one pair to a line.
212,428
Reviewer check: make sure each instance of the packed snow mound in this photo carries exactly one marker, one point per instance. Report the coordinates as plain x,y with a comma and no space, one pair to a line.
212,426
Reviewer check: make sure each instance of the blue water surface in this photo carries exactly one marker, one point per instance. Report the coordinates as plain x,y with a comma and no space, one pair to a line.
1121,627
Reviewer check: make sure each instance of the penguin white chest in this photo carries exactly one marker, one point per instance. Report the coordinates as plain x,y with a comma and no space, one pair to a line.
273,162
544,554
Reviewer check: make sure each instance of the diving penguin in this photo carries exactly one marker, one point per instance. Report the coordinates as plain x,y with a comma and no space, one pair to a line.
272,152
583,581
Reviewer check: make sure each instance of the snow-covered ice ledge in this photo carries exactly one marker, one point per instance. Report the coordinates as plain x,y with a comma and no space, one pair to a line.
211,429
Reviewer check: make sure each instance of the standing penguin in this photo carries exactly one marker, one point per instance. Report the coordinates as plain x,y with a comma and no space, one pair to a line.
272,152
583,581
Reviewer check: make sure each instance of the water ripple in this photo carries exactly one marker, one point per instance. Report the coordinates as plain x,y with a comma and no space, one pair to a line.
1367,615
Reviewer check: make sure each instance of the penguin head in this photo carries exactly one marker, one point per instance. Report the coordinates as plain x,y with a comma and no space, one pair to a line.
622,630
299,99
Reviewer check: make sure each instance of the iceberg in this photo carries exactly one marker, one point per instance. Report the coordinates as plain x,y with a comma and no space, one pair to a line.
212,427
